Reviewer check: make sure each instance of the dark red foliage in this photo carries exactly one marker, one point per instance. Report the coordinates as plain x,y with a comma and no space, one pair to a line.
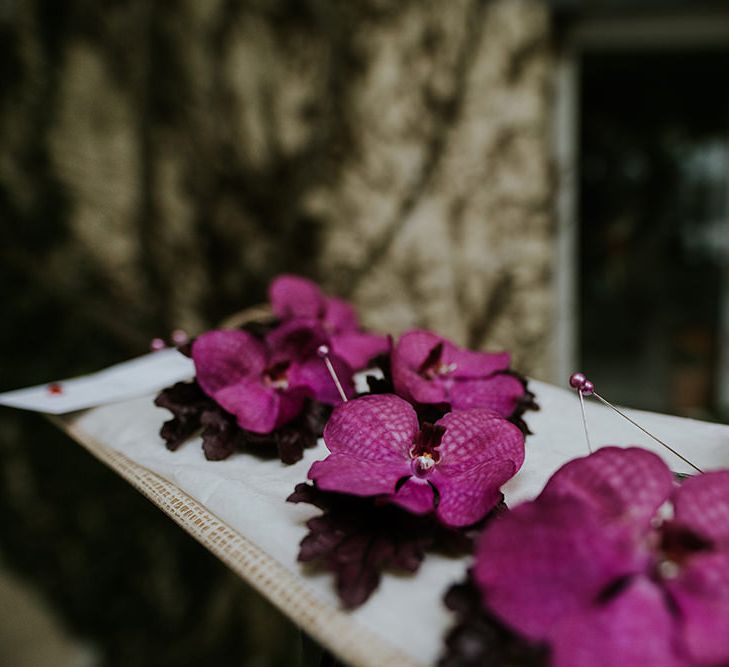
186,348
194,412
186,401
221,436
526,402
358,538
259,328
479,639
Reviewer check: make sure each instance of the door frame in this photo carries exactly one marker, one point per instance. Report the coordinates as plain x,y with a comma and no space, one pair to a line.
645,32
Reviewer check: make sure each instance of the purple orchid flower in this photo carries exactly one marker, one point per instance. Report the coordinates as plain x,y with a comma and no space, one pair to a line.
265,384
296,298
615,564
427,368
455,466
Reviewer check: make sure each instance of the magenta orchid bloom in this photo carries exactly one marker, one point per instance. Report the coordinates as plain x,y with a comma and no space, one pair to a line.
615,564
427,368
455,467
296,298
264,384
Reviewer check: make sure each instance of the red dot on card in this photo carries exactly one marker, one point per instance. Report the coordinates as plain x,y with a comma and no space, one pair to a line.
55,389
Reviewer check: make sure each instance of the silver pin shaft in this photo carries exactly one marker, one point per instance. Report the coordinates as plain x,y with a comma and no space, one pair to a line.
584,422
638,426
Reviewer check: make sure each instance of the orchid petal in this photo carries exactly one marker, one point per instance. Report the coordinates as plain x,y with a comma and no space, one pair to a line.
500,393
414,347
701,593
633,629
467,497
339,316
294,296
298,338
474,364
473,437
427,368
358,348
547,560
631,483
223,358
408,356
416,496
373,428
358,477
255,407
313,374
701,504
413,387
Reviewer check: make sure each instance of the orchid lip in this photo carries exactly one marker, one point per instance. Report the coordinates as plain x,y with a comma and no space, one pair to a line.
279,383
422,465
440,370
434,366
668,569
276,376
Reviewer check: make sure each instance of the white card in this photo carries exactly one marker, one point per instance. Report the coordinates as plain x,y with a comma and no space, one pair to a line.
136,377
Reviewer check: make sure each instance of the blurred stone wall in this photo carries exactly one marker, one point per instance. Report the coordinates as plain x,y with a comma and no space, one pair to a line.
188,151
161,161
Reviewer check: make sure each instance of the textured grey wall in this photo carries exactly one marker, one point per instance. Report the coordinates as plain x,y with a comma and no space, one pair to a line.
394,150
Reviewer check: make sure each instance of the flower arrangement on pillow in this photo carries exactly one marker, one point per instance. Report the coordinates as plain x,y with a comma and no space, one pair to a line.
617,562
393,487
264,387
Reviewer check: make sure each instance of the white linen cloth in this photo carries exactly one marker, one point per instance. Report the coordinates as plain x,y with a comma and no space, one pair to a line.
128,379
406,612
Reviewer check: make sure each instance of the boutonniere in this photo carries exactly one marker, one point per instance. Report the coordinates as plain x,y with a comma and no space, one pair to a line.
264,388
429,369
436,482
453,468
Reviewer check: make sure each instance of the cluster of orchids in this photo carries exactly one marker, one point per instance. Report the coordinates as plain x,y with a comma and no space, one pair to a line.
616,562
437,434
378,445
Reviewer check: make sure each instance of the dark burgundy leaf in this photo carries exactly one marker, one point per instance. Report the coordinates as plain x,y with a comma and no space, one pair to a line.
302,432
479,639
359,538
308,493
221,436
175,431
526,402
314,417
182,398
384,384
186,348
290,444
431,413
259,328
186,401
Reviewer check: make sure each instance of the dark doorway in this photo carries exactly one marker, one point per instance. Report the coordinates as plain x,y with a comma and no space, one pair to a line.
654,226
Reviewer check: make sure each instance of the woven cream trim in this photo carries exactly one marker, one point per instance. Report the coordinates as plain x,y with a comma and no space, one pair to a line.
332,628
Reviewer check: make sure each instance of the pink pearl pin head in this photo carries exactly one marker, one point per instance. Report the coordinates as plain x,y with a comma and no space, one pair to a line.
157,344
179,337
580,382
